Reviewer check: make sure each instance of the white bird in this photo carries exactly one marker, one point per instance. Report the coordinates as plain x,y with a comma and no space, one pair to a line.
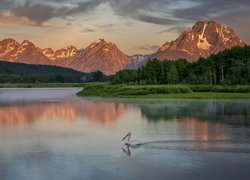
128,135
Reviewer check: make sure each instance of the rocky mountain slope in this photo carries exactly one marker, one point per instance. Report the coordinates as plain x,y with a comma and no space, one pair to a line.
63,53
26,52
204,39
99,55
137,61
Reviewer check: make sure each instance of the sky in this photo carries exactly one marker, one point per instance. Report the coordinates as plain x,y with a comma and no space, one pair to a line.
135,26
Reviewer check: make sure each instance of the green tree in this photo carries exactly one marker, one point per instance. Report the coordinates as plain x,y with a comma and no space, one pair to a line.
172,75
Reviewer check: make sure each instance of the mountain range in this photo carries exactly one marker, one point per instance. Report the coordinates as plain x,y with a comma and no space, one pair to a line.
205,38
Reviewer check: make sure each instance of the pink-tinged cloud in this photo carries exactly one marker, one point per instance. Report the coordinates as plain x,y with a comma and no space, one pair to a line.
11,20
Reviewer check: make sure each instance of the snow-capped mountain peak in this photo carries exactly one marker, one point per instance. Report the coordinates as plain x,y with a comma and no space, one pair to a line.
67,52
26,43
205,38
7,46
99,42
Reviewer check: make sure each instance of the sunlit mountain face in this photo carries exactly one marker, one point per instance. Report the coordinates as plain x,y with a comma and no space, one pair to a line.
205,38
62,34
126,23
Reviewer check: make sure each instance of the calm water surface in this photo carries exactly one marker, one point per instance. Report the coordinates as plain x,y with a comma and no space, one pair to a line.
52,134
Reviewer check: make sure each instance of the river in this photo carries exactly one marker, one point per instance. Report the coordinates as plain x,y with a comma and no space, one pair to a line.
53,134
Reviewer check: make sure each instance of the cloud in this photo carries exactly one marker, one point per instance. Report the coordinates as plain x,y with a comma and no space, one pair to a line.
80,7
179,12
160,12
10,20
239,21
6,4
104,26
176,29
168,12
143,10
38,13
13,20
209,9
149,48
155,20
87,30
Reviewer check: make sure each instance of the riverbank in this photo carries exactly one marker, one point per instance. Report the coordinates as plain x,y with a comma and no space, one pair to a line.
41,85
166,91
197,95
148,91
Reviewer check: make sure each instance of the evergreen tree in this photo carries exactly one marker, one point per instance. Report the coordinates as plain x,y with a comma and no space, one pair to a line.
172,75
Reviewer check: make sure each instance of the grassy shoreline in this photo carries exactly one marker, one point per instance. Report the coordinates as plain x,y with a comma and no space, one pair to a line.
196,95
166,91
149,91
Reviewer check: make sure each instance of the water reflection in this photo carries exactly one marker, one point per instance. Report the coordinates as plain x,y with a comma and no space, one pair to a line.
195,115
231,146
202,130
80,138
231,112
70,110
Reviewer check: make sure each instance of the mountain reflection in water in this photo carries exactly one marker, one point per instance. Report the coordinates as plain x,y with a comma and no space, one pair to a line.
193,113
69,110
195,116
69,137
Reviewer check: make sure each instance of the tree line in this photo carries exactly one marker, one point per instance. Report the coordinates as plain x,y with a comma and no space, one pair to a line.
28,73
229,67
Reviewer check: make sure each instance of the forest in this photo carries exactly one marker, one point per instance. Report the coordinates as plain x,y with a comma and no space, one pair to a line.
27,73
230,67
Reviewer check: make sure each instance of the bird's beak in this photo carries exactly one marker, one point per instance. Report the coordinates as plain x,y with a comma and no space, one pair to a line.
124,137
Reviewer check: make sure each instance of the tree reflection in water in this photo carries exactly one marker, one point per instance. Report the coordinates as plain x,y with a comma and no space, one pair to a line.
109,111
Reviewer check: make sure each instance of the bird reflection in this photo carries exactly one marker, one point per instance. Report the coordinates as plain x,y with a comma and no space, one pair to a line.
127,146
224,146
126,150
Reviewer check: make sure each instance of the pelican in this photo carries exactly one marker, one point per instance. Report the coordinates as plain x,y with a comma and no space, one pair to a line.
128,135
